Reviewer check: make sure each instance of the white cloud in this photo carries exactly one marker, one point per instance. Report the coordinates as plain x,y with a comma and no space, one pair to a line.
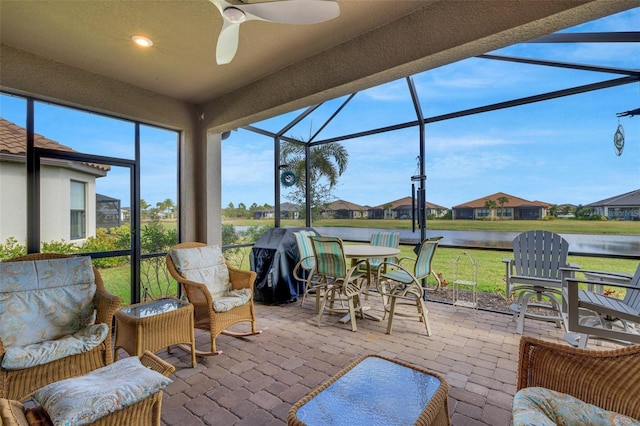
464,142
393,91
475,164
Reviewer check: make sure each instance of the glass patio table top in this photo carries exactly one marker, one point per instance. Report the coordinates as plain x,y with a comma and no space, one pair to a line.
375,391
155,307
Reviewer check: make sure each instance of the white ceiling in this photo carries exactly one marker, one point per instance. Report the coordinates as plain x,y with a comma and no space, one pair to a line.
277,67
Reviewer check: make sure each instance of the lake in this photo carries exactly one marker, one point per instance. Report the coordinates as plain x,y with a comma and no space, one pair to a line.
583,244
611,245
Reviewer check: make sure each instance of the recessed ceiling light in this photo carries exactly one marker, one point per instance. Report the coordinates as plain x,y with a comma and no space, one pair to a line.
142,41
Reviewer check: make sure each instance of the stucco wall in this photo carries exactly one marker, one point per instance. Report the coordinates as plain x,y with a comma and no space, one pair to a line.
13,201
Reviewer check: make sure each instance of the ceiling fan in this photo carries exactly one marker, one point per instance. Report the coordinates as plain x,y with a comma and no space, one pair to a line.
283,12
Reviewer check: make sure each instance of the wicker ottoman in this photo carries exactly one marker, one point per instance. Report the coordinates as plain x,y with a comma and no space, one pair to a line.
376,390
143,413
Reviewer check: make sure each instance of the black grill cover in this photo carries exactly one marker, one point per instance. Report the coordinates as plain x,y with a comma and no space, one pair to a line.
273,258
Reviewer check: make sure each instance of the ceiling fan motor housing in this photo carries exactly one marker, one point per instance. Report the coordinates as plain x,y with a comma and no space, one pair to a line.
234,15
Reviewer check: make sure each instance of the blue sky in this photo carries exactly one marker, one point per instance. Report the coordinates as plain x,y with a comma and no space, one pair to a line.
98,135
558,151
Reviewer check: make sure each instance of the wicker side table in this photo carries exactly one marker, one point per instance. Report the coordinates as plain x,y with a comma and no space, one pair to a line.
155,325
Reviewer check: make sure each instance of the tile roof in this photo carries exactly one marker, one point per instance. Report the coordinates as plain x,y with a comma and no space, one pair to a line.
13,140
406,201
344,205
513,202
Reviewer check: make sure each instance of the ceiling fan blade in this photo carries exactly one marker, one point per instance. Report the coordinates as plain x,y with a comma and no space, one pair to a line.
284,12
227,43
296,12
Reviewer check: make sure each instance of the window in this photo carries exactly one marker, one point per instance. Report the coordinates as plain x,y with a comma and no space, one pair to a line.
483,212
78,216
85,192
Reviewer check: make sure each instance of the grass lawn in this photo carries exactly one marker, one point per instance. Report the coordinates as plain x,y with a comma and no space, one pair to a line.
491,269
117,281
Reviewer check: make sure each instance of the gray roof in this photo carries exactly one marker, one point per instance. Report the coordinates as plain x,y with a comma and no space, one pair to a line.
104,198
624,200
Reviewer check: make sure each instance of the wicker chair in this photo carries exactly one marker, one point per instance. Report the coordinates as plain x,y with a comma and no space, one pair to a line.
20,384
143,413
609,379
206,318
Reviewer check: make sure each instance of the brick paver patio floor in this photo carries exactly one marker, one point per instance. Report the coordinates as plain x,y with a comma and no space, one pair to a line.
255,381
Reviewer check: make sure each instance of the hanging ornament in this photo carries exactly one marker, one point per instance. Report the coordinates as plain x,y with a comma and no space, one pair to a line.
288,178
618,139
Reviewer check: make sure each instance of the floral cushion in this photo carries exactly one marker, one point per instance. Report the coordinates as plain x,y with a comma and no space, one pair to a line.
536,406
203,265
45,299
233,299
83,400
19,357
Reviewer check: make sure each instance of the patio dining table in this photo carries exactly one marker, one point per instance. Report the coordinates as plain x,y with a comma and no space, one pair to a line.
366,252
357,252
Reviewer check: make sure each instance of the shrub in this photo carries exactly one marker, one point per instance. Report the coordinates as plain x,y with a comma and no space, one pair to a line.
106,240
60,246
155,280
229,236
11,249
253,233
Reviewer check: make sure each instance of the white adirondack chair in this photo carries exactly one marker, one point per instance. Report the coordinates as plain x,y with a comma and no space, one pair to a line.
534,273
592,315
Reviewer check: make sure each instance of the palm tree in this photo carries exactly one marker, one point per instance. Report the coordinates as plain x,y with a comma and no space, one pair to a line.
169,207
327,163
166,207
144,206
502,200
583,212
491,205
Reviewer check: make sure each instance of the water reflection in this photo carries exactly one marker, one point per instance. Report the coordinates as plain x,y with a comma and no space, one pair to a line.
619,245
584,244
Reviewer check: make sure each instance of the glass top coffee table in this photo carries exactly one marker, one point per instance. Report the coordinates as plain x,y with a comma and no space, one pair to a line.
376,390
